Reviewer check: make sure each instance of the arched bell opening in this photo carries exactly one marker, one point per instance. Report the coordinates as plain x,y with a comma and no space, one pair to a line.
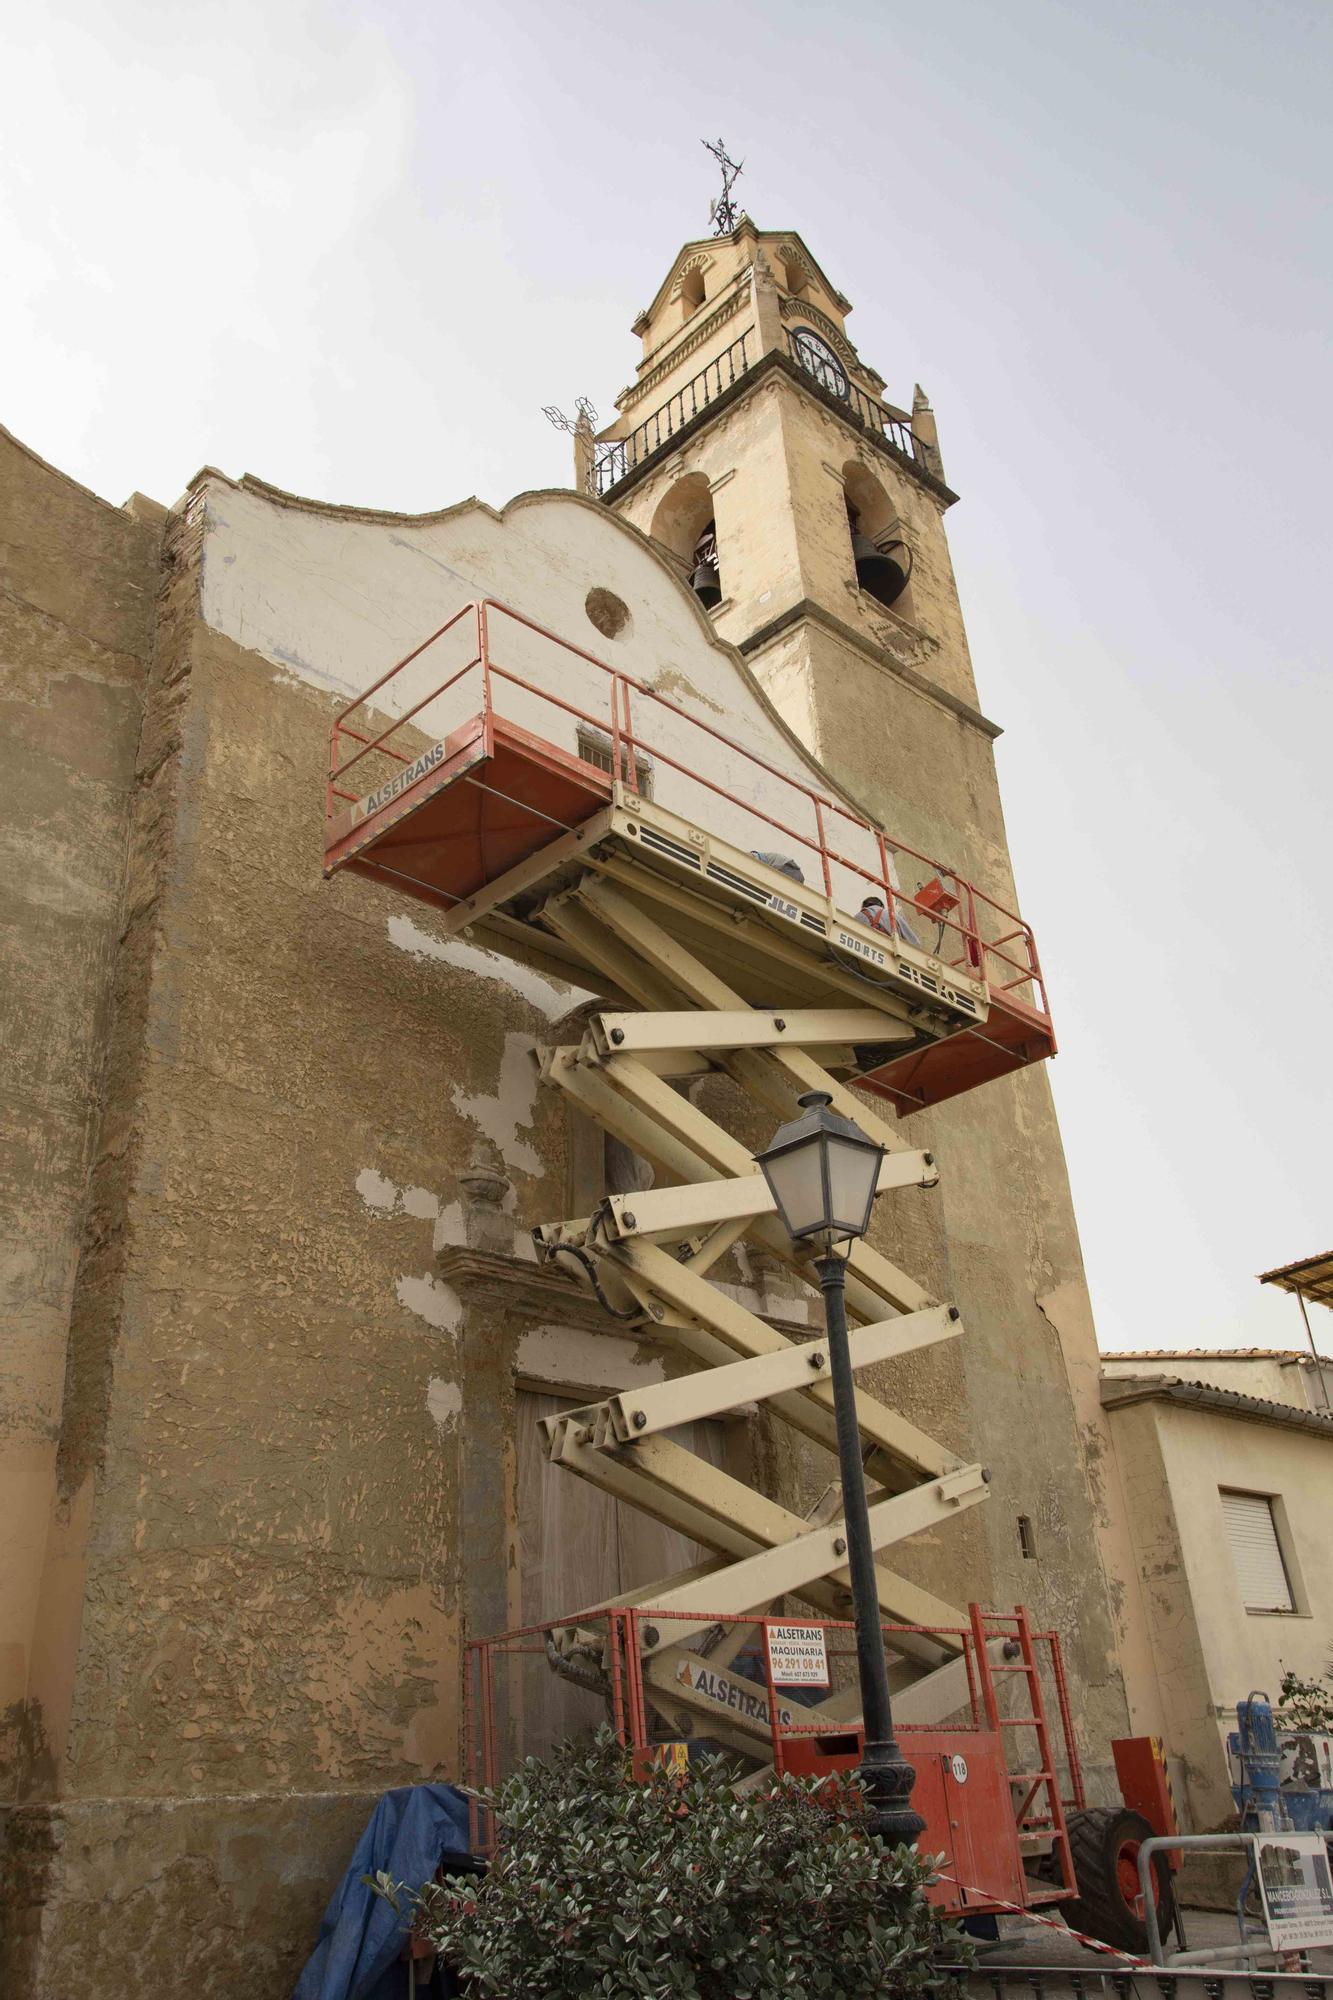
794,275
881,559
692,292
684,524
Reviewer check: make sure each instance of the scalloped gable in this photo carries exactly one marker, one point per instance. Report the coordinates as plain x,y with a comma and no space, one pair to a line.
334,596
697,247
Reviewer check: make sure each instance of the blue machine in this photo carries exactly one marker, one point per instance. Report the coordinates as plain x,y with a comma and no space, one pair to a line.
1279,1778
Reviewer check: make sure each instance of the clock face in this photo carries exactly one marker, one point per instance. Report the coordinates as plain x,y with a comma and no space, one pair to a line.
818,359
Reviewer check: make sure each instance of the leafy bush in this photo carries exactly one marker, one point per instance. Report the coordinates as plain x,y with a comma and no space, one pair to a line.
678,1888
1304,1704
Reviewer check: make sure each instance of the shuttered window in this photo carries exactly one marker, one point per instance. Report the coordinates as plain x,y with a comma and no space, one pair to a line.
1256,1552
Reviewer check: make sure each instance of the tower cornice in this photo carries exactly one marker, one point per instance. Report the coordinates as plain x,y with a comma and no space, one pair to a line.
807,611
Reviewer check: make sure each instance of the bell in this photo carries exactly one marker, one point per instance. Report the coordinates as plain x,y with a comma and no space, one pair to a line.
877,572
706,585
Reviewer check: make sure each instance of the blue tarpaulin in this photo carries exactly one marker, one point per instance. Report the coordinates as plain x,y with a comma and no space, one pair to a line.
360,1934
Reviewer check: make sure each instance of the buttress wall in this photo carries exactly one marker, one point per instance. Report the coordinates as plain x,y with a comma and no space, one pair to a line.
291,1306
78,581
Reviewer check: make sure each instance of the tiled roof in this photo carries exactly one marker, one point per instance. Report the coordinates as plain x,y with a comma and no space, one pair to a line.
1312,1277
1122,1389
1210,1354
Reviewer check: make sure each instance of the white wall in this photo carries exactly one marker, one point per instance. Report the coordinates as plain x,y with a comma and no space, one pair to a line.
1210,1651
334,600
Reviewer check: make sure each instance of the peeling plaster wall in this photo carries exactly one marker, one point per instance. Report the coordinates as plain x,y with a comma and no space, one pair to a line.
363,592
285,1461
77,585
274,1477
1208,1649
287,1476
285,1493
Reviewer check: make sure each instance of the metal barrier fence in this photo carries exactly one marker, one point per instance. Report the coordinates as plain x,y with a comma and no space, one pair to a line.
627,1666
636,727
1060,1982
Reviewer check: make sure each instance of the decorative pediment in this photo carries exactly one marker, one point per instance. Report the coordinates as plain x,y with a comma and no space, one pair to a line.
792,257
700,261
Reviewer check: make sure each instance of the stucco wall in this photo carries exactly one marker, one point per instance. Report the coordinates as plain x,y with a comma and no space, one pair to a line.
287,1474
332,600
1208,1650
286,1484
1239,1649
77,584
255,1585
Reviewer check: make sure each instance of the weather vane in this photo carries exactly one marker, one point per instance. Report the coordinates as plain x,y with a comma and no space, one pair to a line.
587,411
608,462
723,212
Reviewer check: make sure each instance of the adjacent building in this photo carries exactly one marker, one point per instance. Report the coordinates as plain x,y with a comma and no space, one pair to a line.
1226,1464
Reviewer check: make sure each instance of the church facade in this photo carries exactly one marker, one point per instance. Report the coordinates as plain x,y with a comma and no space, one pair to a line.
279,1341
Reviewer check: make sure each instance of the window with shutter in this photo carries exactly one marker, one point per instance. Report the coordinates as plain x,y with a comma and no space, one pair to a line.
1256,1552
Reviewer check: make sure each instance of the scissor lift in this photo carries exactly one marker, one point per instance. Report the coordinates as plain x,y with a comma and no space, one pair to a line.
559,810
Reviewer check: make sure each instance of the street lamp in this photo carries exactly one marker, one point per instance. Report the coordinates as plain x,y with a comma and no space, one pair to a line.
822,1172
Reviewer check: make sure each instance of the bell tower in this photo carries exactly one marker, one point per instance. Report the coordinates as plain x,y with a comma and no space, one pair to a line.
758,451
757,448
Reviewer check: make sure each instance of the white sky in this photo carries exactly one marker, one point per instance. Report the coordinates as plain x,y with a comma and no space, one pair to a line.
355,250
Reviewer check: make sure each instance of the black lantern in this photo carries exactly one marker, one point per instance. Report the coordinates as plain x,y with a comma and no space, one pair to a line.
822,1172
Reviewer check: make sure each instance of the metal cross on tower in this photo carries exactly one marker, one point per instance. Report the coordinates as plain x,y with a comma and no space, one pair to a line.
723,212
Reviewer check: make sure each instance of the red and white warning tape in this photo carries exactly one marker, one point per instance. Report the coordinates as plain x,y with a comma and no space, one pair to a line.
1052,1923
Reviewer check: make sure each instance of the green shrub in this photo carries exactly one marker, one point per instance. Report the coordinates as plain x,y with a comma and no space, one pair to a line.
1304,1704
679,1887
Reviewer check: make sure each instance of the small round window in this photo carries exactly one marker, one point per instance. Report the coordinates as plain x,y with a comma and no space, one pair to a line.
609,613
818,359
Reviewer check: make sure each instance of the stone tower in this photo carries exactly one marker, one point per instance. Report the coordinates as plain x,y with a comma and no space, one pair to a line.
753,446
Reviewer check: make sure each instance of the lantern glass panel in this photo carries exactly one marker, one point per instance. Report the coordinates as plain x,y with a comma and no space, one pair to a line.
797,1181
853,1172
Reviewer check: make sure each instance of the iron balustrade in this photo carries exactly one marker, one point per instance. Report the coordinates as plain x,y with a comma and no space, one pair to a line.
862,409
616,458
619,457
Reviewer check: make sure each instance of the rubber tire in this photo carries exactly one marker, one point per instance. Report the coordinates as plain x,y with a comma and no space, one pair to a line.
1096,1836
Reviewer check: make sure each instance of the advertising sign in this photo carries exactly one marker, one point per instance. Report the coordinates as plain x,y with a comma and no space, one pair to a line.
797,1655
1297,1889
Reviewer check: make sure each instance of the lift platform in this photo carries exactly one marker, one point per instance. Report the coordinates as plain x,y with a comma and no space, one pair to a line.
708,891
498,773
550,805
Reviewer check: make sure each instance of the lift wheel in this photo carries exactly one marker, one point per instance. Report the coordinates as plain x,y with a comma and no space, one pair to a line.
1104,1842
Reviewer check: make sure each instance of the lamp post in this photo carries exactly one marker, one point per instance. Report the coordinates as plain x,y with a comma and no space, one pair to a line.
823,1172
